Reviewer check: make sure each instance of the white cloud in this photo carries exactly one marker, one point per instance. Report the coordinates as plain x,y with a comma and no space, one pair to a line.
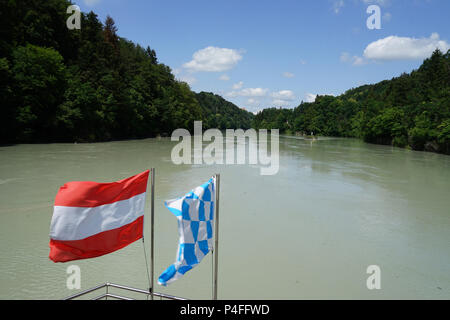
286,95
91,3
238,85
354,60
252,101
248,92
280,102
254,92
288,75
213,59
224,77
310,97
403,48
359,61
302,61
282,98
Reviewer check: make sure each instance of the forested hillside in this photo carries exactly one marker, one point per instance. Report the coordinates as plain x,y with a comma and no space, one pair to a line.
412,110
222,114
90,84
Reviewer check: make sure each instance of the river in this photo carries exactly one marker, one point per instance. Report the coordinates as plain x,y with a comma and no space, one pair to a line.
335,207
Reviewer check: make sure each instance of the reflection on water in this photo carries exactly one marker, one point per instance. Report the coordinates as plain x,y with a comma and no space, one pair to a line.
335,207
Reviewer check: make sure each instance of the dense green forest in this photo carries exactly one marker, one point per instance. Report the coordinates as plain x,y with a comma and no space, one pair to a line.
90,84
412,110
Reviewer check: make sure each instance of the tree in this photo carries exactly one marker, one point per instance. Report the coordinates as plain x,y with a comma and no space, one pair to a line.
110,31
422,132
39,85
387,128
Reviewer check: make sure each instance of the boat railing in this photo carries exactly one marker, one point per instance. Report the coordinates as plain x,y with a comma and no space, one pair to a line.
107,294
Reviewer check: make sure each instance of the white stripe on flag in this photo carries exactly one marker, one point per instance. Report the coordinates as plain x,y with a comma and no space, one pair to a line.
76,223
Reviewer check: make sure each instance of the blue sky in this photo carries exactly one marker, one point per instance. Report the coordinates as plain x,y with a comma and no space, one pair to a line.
261,54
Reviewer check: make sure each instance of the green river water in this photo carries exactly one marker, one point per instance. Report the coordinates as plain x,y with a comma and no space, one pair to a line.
335,207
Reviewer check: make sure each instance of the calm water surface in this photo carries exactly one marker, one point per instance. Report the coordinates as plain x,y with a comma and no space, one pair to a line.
335,207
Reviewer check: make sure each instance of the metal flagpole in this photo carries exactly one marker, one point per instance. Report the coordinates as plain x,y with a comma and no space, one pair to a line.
152,232
216,234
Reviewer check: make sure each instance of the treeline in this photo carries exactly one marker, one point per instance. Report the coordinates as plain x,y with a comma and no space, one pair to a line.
90,84
412,110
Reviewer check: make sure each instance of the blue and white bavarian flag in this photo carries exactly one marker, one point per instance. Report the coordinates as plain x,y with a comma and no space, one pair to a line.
195,213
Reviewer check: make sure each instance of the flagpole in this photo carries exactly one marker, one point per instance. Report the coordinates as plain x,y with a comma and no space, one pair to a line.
152,232
216,235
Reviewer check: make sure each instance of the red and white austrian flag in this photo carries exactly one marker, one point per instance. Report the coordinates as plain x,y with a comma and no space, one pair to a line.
91,219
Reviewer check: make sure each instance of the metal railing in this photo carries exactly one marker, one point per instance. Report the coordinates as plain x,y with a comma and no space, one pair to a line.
107,294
